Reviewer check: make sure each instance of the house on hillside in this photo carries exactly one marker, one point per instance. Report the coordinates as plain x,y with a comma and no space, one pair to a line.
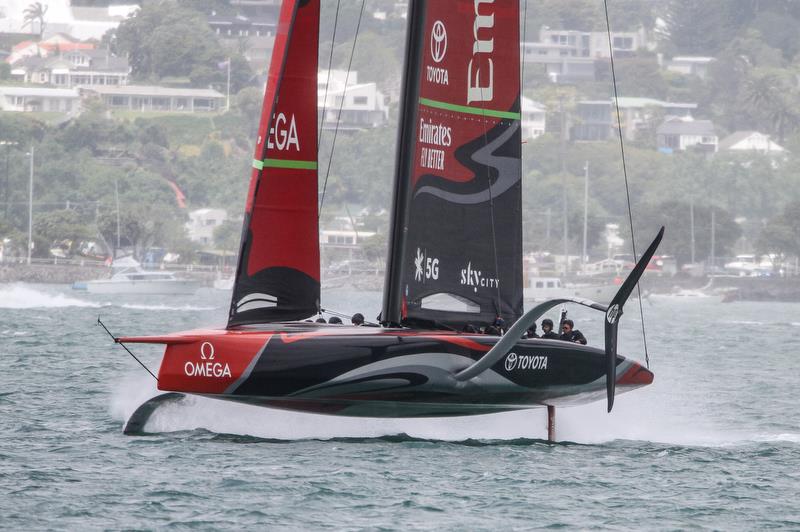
54,45
362,105
74,68
534,119
202,222
751,141
39,99
570,56
254,31
146,98
596,120
690,65
677,134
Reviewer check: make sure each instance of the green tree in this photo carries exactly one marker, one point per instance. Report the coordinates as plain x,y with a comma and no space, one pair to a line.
35,12
772,98
164,39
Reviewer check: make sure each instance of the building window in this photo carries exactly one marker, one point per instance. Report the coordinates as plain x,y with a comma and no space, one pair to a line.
360,100
203,104
623,43
119,101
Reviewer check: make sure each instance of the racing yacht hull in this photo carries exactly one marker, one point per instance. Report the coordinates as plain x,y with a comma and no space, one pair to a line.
376,372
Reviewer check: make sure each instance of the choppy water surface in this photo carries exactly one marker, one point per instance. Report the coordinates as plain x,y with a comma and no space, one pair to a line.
713,443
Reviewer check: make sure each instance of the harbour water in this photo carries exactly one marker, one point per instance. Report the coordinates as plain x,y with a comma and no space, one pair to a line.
713,443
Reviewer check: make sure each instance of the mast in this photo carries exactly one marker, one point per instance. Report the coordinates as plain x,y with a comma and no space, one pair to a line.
391,314
585,212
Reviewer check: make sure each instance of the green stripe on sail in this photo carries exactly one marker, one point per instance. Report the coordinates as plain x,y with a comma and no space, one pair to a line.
469,110
284,163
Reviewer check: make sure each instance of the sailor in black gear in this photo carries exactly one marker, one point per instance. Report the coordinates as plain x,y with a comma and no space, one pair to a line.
531,332
571,334
321,320
357,319
500,325
335,320
547,330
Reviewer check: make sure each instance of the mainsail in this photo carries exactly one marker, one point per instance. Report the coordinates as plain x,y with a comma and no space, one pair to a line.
455,253
278,275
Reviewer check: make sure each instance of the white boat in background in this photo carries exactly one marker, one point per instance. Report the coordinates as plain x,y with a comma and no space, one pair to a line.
546,288
130,278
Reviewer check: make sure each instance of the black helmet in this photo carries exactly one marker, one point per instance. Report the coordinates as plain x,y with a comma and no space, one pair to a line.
335,320
321,320
357,318
547,322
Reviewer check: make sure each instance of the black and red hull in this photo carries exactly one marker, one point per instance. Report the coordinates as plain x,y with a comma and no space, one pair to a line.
377,372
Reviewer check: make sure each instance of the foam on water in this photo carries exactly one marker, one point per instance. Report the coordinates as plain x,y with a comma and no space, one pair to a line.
589,424
164,307
19,296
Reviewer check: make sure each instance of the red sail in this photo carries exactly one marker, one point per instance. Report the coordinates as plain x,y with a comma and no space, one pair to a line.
278,275
458,213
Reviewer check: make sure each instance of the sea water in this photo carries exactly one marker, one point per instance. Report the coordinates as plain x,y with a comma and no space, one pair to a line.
713,443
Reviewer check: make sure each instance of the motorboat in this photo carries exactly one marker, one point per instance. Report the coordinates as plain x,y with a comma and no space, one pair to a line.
130,278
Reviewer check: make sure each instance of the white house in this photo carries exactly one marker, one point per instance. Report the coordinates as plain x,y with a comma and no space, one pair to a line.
74,68
594,44
534,119
597,119
690,65
362,105
750,141
680,134
202,222
149,98
39,99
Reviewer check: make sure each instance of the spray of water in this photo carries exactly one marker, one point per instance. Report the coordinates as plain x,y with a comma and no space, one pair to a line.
633,419
19,296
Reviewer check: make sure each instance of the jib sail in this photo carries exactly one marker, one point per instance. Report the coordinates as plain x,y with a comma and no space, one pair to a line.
455,255
278,275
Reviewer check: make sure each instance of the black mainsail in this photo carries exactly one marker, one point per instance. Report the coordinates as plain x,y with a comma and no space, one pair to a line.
455,254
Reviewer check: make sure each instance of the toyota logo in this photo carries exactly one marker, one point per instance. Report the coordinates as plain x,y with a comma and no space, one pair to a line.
511,361
438,41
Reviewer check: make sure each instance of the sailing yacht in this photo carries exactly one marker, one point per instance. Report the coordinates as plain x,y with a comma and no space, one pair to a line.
454,258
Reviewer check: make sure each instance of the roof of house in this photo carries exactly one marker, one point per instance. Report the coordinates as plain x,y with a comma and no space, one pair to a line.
150,90
101,61
692,59
39,91
532,105
687,127
735,138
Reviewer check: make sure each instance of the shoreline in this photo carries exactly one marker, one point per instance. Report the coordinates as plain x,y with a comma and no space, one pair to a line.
740,288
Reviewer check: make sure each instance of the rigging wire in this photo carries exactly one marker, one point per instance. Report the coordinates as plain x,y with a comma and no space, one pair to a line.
328,82
341,106
625,174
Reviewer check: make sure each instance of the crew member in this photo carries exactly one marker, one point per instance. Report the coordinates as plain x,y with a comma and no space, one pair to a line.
357,319
335,320
321,320
570,334
547,330
531,332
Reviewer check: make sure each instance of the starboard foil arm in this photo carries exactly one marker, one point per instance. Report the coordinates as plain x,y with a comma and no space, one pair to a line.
613,313
514,333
